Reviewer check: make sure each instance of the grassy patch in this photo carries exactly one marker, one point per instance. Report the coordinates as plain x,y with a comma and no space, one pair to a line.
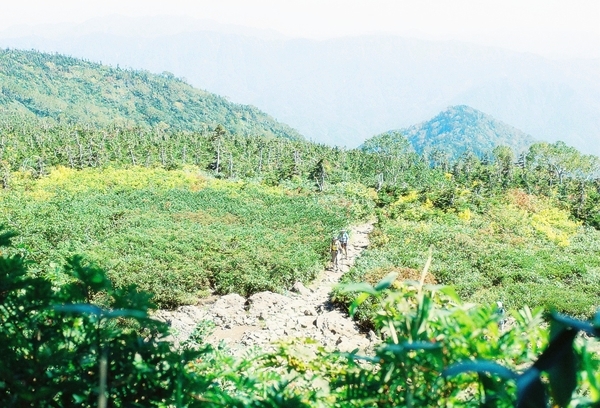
522,253
176,233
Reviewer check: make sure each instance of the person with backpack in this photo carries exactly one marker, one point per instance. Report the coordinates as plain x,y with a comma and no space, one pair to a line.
343,237
334,248
501,313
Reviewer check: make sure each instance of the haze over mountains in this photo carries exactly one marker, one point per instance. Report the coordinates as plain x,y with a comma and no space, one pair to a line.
342,91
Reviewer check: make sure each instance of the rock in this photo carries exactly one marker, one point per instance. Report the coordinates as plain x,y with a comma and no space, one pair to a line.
232,302
306,322
342,326
337,324
195,313
267,302
301,289
320,323
310,311
347,345
372,336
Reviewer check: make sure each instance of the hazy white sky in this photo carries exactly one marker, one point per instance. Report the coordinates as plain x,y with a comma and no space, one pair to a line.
543,26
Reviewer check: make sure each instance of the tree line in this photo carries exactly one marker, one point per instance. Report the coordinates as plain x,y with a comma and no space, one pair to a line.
389,165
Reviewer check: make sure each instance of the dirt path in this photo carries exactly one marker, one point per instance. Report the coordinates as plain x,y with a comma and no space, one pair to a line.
266,317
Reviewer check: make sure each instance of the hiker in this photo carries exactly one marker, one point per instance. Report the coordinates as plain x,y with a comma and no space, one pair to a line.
500,312
343,237
335,250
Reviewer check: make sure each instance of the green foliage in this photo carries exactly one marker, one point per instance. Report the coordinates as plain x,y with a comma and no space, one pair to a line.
177,234
112,170
512,215
428,329
63,351
521,249
439,352
557,367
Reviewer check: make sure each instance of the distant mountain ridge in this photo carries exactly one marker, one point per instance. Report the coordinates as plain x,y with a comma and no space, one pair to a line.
341,91
461,129
65,89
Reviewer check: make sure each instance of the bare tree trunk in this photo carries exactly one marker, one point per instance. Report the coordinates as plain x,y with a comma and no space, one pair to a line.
80,147
379,181
163,158
218,166
70,157
320,183
133,162
41,170
582,198
6,177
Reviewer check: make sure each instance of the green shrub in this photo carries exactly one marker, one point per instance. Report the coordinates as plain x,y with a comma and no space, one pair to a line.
498,254
177,234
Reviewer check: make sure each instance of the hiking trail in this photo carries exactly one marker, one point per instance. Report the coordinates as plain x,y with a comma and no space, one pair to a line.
266,317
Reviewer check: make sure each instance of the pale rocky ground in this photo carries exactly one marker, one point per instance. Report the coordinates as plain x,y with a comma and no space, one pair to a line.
267,317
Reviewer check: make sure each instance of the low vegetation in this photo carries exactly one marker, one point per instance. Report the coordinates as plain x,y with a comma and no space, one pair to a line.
62,348
519,249
211,212
177,234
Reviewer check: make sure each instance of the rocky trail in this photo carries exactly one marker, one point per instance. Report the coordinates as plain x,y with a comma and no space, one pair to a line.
266,317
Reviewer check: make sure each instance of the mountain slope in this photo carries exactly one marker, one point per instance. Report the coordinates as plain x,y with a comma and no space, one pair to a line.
342,91
67,89
459,129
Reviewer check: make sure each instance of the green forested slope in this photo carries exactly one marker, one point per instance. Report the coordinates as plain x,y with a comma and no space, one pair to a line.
428,199
64,89
456,131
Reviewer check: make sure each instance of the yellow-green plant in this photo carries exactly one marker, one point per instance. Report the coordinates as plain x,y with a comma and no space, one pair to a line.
426,329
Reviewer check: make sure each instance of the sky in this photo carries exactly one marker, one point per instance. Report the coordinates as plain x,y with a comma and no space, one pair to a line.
546,27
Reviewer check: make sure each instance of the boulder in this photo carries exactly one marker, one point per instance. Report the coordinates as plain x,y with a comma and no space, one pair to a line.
301,289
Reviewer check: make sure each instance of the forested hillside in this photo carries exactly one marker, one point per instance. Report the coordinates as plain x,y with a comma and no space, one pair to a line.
69,90
456,131
344,90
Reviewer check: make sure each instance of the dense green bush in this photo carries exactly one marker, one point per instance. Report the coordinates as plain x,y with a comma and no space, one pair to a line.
61,350
441,352
177,234
85,343
505,252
